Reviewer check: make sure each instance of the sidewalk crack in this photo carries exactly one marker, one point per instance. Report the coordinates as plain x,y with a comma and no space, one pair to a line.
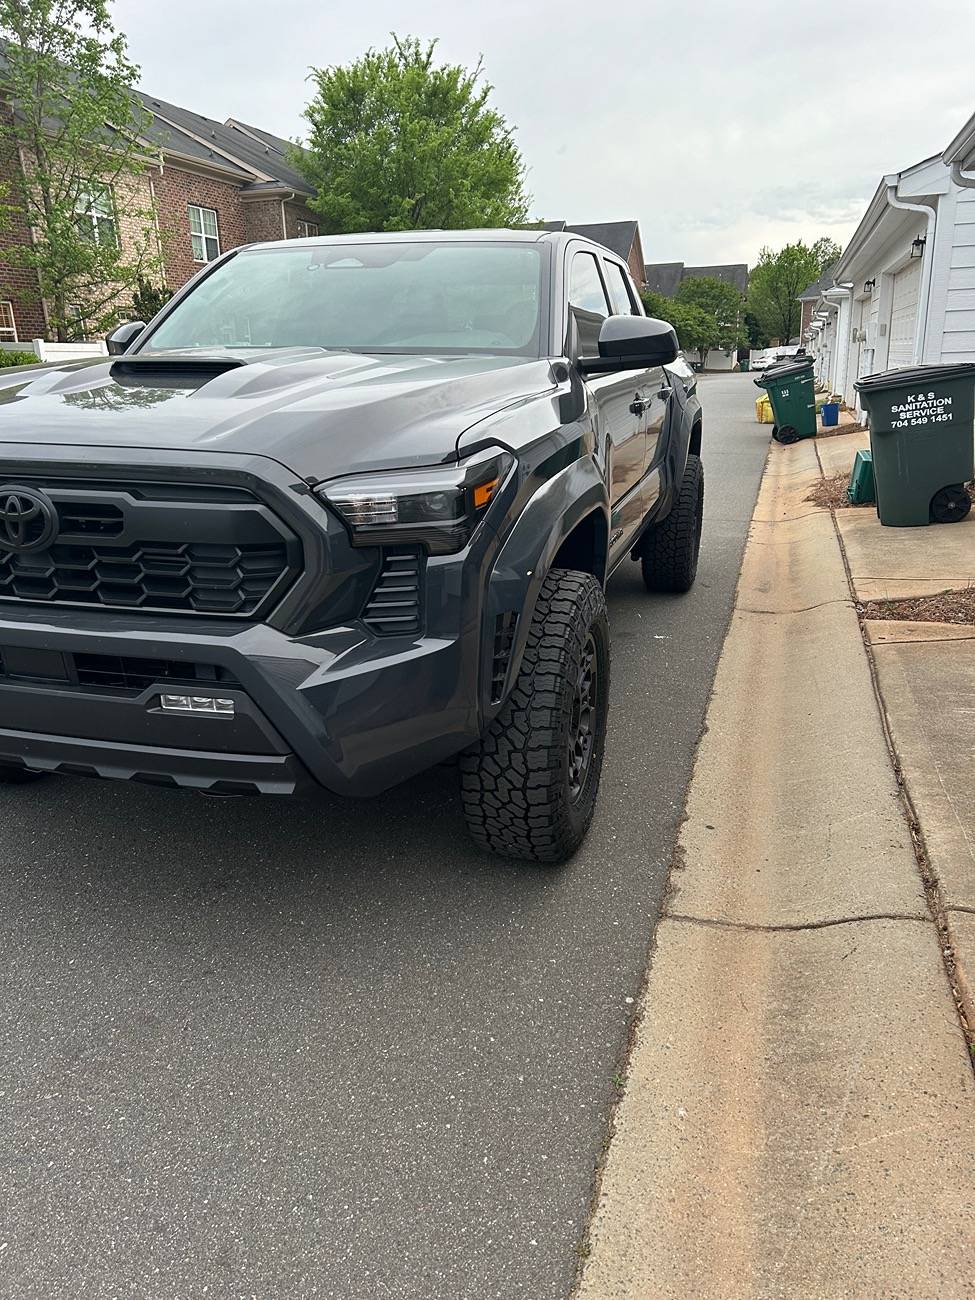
792,929
804,609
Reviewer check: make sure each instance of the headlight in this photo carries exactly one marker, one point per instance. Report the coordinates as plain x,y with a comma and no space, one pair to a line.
439,508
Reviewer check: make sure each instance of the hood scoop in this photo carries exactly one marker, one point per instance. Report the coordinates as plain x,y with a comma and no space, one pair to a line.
196,370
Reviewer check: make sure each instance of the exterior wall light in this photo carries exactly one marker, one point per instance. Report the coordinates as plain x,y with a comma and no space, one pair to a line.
917,247
869,286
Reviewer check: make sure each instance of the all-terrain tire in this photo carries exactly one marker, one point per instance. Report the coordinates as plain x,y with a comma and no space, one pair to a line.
669,551
523,793
11,775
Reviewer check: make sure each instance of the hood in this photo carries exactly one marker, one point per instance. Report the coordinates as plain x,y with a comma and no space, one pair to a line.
320,414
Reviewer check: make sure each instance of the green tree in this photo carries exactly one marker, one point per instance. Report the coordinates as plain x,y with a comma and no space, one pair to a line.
696,329
777,280
398,142
149,299
71,120
724,306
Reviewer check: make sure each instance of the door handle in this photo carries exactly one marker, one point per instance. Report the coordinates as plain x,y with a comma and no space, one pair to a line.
665,392
638,406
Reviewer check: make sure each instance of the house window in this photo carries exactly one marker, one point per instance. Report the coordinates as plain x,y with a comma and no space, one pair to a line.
203,234
8,326
94,214
307,229
76,315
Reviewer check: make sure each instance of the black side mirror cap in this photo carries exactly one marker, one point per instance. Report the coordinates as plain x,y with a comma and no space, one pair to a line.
123,336
632,343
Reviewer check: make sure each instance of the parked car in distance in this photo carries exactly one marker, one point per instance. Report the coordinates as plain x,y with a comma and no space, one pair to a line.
345,509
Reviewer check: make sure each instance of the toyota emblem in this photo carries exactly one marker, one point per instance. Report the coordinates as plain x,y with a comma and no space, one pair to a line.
28,519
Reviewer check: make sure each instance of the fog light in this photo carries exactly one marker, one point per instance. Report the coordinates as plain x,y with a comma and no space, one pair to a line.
196,704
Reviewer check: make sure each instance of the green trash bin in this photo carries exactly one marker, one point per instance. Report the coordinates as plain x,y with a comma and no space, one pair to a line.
792,392
744,364
922,441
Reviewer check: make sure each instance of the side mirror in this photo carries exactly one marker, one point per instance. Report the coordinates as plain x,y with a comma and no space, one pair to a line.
123,336
632,343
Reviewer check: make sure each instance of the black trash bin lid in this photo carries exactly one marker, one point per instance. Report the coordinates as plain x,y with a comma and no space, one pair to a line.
782,369
911,376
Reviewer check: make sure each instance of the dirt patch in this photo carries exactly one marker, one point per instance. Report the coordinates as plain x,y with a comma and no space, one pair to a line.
840,430
830,494
945,607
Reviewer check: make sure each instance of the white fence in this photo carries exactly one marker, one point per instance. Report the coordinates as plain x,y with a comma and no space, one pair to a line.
58,351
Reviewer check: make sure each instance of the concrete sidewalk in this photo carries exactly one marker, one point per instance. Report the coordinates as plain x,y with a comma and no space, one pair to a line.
798,1113
925,673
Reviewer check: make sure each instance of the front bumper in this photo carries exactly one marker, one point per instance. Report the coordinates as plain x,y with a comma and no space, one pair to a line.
341,708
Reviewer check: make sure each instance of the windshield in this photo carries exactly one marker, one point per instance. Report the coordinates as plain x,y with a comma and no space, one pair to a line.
395,297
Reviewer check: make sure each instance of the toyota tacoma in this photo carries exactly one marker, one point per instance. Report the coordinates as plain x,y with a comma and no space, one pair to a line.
344,510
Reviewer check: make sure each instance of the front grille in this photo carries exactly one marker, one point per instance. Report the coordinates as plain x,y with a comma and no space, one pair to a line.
123,672
165,548
112,673
203,578
394,605
101,520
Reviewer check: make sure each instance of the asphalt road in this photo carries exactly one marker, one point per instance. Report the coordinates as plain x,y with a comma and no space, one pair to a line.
276,1050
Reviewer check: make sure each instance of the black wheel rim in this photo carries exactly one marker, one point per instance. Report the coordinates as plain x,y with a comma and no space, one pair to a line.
950,505
582,725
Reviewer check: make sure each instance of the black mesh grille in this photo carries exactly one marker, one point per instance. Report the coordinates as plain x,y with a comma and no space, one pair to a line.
208,579
180,547
394,606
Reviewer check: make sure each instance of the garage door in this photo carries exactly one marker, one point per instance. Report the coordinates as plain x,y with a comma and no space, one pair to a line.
903,314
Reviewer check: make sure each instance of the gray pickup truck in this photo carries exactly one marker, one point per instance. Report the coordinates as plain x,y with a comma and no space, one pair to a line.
344,510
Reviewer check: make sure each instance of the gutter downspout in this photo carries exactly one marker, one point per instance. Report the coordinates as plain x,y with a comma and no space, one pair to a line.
927,261
284,221
964,182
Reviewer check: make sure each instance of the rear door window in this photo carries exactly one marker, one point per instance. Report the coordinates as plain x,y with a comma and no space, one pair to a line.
620,293
587,301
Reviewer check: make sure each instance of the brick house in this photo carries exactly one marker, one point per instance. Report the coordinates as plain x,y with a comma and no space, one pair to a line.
211,185
666,277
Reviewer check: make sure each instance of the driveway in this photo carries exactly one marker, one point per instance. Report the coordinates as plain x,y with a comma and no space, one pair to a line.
278,1050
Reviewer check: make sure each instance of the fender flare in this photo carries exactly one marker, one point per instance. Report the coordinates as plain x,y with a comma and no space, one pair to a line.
679,438
526,556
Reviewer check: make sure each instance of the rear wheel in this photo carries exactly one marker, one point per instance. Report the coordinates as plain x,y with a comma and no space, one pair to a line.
669,551
529,787
12,775
951,504
787,434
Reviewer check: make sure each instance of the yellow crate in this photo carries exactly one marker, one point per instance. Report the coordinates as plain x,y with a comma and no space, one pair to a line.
763,410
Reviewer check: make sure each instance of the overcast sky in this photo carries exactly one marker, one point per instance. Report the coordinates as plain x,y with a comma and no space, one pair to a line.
719,126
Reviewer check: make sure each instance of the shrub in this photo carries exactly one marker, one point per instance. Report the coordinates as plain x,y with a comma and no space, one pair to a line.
18,358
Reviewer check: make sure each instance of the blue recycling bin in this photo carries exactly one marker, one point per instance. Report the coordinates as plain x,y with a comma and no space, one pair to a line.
831,415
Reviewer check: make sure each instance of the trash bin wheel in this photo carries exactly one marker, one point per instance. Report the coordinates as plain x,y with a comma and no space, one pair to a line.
950,505
787,434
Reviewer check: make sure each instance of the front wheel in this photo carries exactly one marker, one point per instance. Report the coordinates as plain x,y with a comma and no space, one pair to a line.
529,787
669,550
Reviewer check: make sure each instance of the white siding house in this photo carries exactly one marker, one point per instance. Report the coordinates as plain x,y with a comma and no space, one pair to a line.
904,288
